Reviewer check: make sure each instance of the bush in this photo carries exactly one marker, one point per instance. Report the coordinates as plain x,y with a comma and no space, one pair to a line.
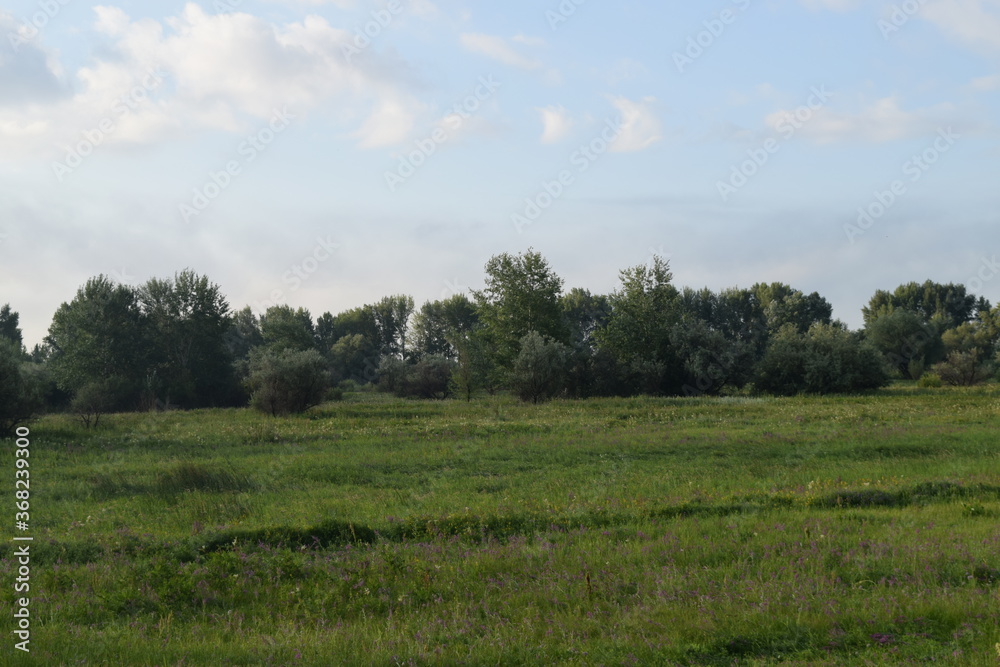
95,399
21,396
929,380
428,378
287,381
540,368
965,369
824,360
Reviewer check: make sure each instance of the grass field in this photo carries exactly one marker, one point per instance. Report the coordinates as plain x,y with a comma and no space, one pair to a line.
805,531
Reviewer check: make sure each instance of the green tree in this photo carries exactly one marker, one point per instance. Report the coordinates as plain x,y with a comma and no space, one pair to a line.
100,335
354,357
189,320
643,313
243,335
948,305
711,361
782,305
284,381
392,316
521,295
285,328
438,324
585,315
907,341
826,359
540,368
10,326
21,396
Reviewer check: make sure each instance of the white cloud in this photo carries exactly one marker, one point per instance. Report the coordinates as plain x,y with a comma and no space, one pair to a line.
641,126
390,124
986,83
221,71
879,122
974,23
498,49
557,124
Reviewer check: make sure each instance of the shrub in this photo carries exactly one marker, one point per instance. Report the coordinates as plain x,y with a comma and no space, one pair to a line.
540,368
826,359
929,380
95,399
428,378
21,396
965,368
287,381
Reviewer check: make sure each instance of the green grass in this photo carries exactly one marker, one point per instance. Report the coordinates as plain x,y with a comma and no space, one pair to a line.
859,530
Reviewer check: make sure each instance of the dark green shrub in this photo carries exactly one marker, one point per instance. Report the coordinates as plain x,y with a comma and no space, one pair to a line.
287,381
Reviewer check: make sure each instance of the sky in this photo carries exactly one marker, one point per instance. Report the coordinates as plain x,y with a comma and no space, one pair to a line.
327,153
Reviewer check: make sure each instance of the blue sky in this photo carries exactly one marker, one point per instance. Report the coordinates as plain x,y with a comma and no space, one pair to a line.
327,153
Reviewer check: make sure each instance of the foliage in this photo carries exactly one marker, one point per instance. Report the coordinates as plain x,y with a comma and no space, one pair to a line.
392,316
287,381
711,361
9,326
98,398
430,377
948,305
824,360
21,394
188,319
539,370
643,313
521,295
965,368
100,334
354,357
655,531
907,342
285,328
440,325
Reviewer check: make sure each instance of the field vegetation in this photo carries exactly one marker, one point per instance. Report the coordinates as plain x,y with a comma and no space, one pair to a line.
837,530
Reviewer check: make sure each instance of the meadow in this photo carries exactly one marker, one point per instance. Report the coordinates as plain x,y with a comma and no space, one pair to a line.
851,530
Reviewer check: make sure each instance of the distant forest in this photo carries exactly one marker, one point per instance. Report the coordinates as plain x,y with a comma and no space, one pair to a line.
176,343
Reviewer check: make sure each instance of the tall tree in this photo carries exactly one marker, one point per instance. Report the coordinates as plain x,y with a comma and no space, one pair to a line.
521,295
9,326
643,313
285,328
392,317
440,324
189,320
948,305
100,335
781,304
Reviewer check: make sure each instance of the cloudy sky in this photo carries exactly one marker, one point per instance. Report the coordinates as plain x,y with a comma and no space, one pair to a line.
325,153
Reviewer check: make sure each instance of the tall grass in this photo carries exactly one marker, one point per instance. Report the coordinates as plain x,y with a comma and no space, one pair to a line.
821,531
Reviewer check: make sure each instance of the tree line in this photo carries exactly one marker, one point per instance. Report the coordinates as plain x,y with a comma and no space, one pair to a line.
176,343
